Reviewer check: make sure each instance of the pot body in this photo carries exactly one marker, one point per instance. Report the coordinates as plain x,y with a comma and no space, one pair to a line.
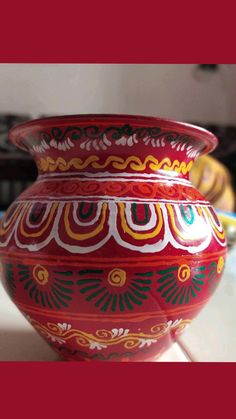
112,252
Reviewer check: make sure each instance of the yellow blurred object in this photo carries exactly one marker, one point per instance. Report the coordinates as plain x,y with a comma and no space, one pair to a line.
228,220
213,180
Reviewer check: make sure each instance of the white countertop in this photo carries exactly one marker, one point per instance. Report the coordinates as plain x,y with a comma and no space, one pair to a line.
211,337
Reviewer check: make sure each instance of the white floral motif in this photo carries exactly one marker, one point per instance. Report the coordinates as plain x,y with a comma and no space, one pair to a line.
61,332
146,342
103,143
64,145
129,141
97,345
192,152
190,149
40,148
174,324
56,339
119,332
64,326
155,142
96,143
115,333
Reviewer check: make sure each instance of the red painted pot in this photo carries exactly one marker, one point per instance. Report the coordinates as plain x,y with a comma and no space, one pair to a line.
112,252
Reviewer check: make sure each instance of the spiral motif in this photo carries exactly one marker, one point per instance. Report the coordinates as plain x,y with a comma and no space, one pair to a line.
104,334
117,277
69,187
173,191
82,340
184,273
132,342
104,338
40,274
48,187
54,328
220,264
142,189
190,193
88,188
159,328
139,189
115,188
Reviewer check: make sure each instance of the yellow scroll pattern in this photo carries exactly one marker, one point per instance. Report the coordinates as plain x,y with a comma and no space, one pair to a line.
133,162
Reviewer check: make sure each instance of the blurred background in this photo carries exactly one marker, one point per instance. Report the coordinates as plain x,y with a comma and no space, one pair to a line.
203,94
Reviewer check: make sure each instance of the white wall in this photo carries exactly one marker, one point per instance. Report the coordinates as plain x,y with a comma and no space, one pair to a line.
160,90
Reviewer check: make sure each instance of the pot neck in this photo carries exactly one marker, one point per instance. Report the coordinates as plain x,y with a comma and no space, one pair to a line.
114,149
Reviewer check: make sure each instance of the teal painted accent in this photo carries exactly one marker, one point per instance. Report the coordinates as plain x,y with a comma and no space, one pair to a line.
86,215
121,304
90,271
163,278
88,281
181,301
143,281
42,299
166,271
36,296
166,292
98,302
114,302
28,283
64,281
35,215
64,289
54,301
95,294
66,273
57,295
88,288
127,302
106,304
141,287
137,293
188,220
177,296
32,290
60,294
134,213
145,274
165,285
48,301
172,294
197,281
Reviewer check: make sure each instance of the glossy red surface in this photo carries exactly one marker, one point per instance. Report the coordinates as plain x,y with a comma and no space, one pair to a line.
111,252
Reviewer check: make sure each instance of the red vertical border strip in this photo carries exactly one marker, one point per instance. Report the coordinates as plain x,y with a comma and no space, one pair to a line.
111,390
123,32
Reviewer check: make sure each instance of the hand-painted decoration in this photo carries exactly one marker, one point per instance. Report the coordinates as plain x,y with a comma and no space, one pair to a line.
86,226
135,163
102,339
112,252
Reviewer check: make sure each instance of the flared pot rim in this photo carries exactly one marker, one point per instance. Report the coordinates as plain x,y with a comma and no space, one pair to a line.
19,132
